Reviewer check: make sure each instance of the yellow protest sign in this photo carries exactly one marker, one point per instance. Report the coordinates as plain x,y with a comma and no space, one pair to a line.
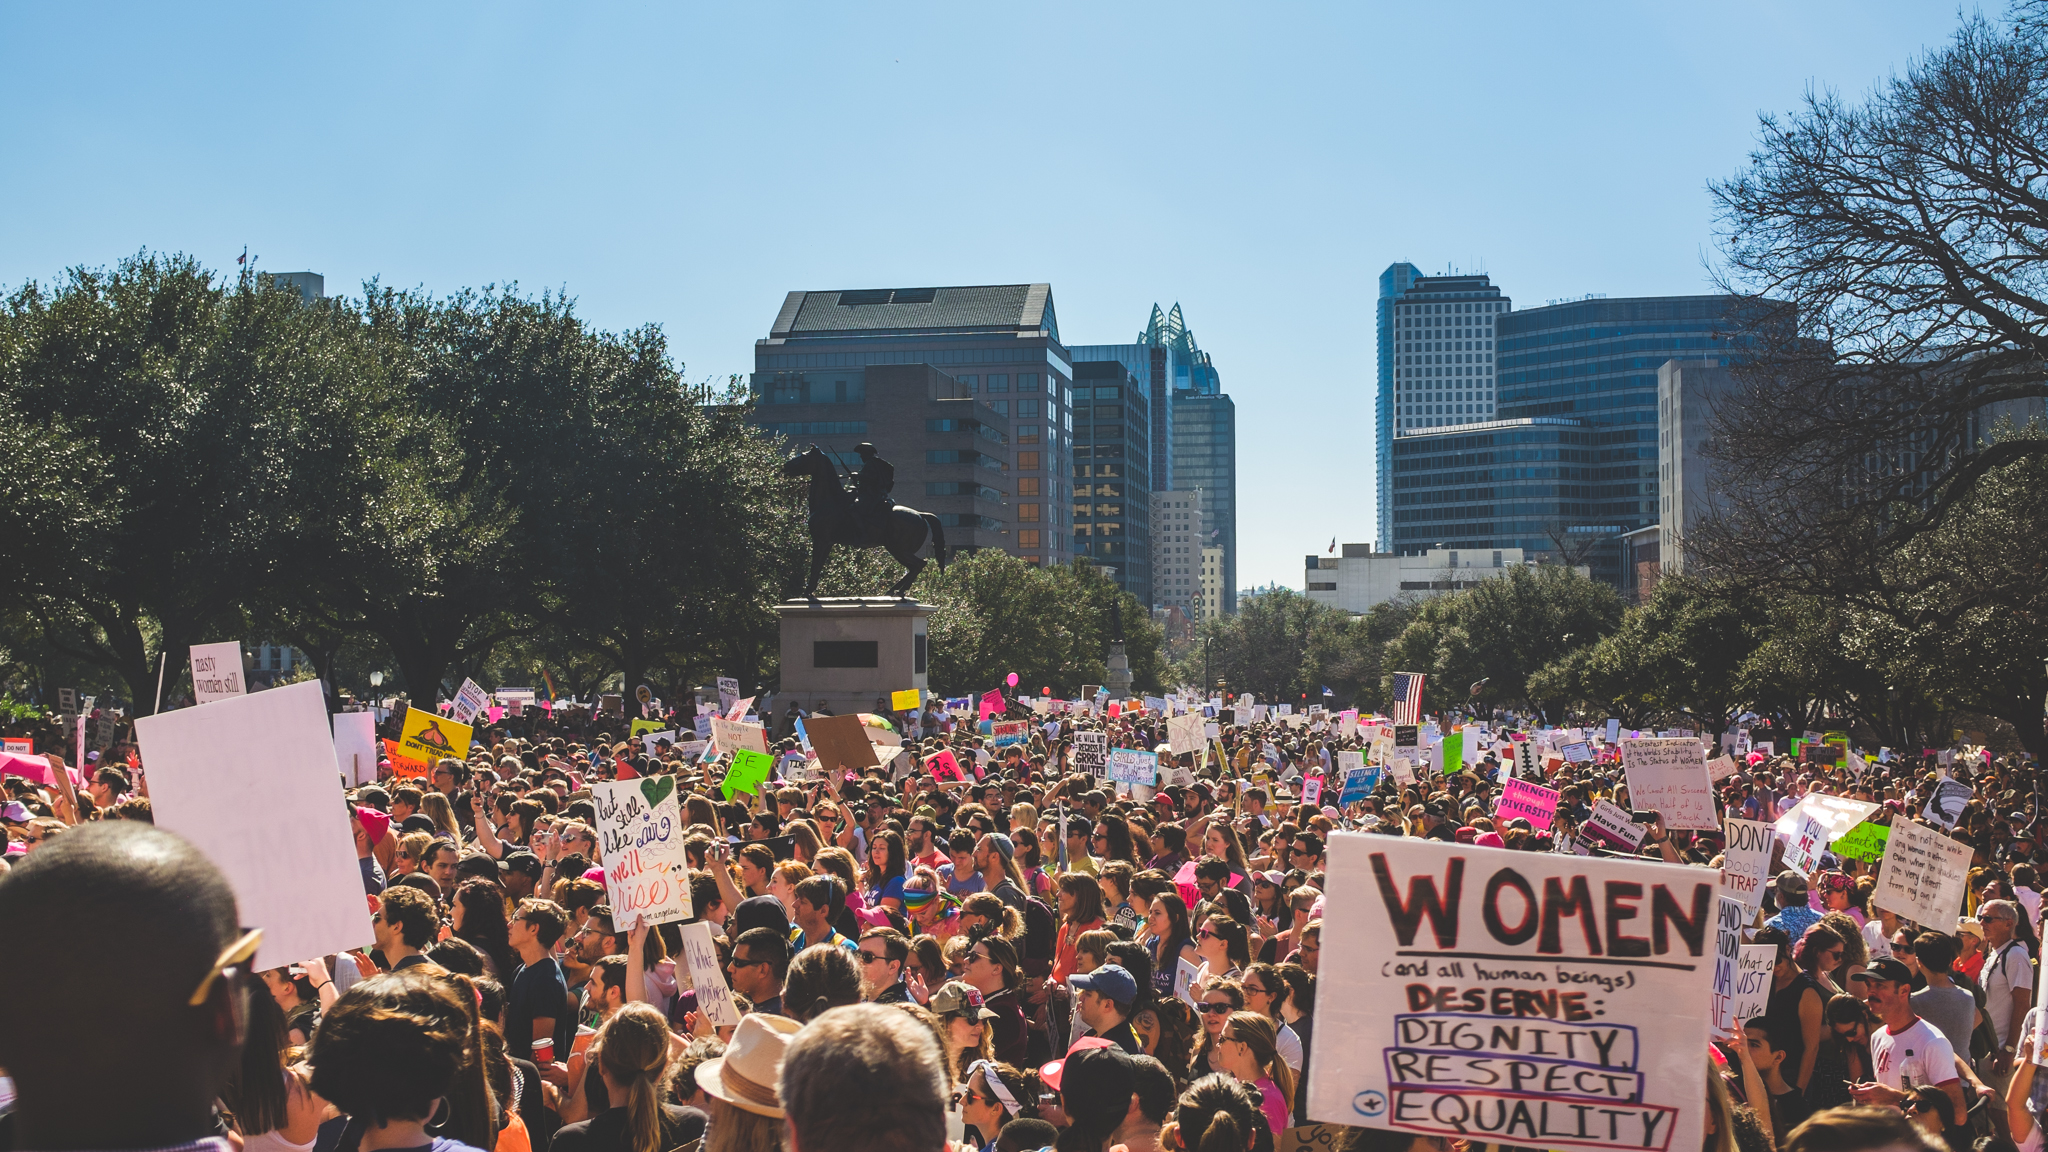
905,701
640,726
425,738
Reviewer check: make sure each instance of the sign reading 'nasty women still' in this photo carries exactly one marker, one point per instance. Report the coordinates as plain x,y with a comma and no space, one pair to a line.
1538,999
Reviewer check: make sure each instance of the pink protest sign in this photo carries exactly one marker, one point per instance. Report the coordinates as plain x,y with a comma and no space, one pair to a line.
1532,802
991,703
944,768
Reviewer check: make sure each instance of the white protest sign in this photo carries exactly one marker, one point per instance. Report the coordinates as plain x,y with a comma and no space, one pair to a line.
355,747
648,740
733,735
1923,874
252,782
714,999
1091,753
1753,968
1837,814
640,838
1609,827
1669,777
1807,842
469,700
1746,865
1536,999
1184,734
217,672
728,693
1729,920
1720,768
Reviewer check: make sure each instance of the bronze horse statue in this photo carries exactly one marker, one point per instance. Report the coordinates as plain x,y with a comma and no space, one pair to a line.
835,521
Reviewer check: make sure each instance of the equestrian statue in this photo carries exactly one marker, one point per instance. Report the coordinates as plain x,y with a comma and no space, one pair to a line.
863,517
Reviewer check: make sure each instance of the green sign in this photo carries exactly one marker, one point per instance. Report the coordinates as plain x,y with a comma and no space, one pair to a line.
1454,751
748,772
1866,841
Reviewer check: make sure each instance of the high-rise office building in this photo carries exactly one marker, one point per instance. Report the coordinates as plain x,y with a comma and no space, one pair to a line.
1568,462
1440,331
1113,472
1001,464
1191,430
1394,283
1688,487
1177,551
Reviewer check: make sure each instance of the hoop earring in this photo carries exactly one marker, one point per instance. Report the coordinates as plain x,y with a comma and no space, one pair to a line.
435,1118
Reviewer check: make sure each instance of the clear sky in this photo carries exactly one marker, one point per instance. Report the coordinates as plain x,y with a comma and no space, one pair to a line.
688,164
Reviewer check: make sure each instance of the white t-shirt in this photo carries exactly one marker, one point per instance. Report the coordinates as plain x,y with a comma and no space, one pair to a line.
1874,939
2005,971
1287,1043
1919,1055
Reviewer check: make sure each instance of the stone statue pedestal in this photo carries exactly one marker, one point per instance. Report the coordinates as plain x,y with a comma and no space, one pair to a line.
1119,679
842,652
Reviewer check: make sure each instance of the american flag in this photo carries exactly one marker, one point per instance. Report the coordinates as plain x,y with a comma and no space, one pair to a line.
1407,707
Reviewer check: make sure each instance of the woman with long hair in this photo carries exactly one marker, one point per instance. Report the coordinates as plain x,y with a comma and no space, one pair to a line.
883,882
757,867
435,807
992,969
1031,859
1218,1114
1166,922
744,1086
631,1053
1220,1000
964,1016
1266,992
299,1001
1080,911
986,909
1221,841
267,1101
1112,840
1224,946
477,914
991,1095
1245,1049
1855,953
1166,1032
929,908
401,1054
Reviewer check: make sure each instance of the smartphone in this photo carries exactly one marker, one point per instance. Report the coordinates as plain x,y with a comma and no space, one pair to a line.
1643,817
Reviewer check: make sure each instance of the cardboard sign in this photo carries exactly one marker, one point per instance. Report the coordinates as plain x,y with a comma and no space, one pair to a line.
1531,802
469,701
426,737
216,672
1609,827
1131,766
640,838
1184,734
906,700
737,735
355,747
1866,841
1579,753
992,704
714,999
268,812
1003,733
1669,777
841,743
1091,753
1746,865
1923,874
749,771
1542,1000
1720,768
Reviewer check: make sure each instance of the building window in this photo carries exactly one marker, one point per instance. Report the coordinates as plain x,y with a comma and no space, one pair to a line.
1002,407
998,382
1027,461
1027,434
973,383
1028,382
1028,486
1027,538
1031,408
1028,513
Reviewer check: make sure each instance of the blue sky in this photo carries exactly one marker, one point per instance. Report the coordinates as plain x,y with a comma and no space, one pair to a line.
687,165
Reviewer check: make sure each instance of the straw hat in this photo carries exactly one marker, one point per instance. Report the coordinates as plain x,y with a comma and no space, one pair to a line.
745,1077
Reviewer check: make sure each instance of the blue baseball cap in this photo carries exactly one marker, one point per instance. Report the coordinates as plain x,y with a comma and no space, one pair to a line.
1111,980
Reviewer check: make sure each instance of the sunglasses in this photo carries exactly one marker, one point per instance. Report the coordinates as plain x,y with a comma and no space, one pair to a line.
225,966
1216,1009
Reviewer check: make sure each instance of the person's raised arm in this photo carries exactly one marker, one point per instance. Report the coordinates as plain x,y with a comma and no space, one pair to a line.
2016,1115
486,834
1753,1088
2022,1000
636,965
721,870
322,981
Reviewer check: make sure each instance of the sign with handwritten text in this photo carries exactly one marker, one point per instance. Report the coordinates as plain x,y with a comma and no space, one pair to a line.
714,998
1669,777
640,837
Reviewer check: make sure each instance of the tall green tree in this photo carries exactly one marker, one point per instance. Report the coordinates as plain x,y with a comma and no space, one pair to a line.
1495,635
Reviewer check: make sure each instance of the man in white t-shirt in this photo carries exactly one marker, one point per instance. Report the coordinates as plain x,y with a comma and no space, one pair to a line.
1908,1051
2008,981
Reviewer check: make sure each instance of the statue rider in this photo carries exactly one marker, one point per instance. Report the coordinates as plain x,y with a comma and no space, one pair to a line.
871,485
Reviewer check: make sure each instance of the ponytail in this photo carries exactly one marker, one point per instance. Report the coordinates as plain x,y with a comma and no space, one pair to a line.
633,1049
1221,1114
1222,1135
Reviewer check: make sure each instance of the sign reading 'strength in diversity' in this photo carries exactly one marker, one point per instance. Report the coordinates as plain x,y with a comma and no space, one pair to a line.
1516,998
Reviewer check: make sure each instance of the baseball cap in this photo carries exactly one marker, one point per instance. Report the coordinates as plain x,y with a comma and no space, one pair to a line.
1050,1073
760,912
1889,969
1111,980
958,996
524,863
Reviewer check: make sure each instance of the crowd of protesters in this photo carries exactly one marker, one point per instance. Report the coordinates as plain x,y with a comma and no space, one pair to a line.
1023,959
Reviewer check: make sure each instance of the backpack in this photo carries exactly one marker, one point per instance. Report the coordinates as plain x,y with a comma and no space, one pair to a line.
1041,936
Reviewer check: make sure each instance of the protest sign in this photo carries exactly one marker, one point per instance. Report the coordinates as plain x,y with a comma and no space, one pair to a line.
1609,827
1004,733
1866,842
1403,769
1091,753
284,840
1729,920
1579,753
640,840
1669,777
1720,768
841,743
469,700
1753,966
945,768
728,694
1804,846
515,698
1945,807
650,741
1532,802
1837,814
1184,734
1923,874
748,772
906,700
425,737
216,671
642,727
1526,1009
1452,751
1613,731
1358,784
1746,865
992,703
737,735
691,749
355,747
714,999
1132,766
1312,792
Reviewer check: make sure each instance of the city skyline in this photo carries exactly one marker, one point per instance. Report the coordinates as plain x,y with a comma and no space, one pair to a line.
635,161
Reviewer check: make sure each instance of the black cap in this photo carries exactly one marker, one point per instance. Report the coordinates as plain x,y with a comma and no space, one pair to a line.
760,912
525,863
1888,969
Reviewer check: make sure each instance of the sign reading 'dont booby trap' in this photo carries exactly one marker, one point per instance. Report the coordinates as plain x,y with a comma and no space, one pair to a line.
1517,998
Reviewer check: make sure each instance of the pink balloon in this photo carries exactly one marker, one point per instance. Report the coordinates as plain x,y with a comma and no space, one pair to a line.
1013,679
